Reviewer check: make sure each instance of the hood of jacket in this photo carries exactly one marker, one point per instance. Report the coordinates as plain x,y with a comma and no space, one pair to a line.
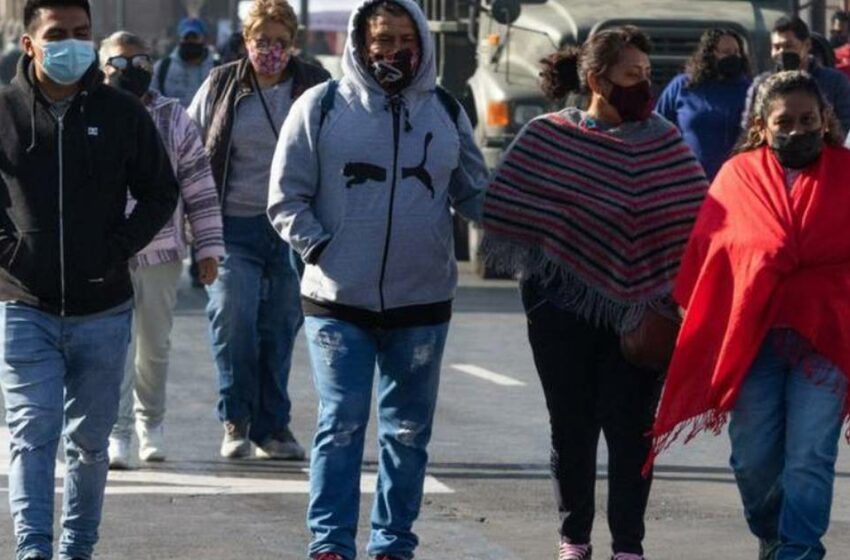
354,68
25,80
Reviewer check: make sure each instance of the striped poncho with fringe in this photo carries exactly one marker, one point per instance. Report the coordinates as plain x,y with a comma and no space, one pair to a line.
601,216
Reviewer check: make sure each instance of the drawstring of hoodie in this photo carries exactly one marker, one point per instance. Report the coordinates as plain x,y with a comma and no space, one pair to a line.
33,137
87,155
405,111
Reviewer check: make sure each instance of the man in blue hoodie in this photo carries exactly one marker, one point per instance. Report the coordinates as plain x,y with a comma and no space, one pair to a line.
363,180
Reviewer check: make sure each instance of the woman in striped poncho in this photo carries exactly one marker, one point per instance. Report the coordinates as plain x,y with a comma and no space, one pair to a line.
592,210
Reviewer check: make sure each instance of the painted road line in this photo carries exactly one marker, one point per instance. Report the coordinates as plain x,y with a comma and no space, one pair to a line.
159,482
172,484
488,375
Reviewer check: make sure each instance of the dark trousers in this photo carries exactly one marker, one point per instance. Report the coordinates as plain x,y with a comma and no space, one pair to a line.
590,388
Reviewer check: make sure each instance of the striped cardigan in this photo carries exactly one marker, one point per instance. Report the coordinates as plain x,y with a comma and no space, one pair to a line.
598,217
198,197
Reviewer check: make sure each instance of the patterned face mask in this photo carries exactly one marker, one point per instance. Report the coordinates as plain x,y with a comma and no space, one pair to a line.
269,61
395,72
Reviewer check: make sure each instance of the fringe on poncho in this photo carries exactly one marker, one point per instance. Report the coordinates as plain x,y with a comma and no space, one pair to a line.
602,216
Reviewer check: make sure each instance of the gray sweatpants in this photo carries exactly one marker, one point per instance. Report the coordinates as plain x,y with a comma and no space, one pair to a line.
143,389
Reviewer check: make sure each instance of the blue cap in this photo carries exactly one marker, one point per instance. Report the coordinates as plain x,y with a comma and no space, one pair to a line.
189,25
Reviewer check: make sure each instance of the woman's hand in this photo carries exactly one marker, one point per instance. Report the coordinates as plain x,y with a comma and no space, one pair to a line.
207,270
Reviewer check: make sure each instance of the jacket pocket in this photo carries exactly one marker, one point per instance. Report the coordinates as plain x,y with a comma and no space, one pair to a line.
88,271
349,268
421,265
34,263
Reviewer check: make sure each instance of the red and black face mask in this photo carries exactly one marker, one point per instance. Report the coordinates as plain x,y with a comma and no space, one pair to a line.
633,103
395,72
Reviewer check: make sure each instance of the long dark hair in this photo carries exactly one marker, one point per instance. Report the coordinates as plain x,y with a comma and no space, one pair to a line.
781,85
566,71
702,66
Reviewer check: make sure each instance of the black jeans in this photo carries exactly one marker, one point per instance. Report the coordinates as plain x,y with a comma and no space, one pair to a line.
590,388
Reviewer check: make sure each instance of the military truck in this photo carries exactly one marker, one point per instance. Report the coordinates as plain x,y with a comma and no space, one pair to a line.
489,51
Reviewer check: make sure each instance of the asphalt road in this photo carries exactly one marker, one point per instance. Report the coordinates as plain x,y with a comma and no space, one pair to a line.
488,496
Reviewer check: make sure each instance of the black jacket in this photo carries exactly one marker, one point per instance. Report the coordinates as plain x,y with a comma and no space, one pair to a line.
228,84
64,238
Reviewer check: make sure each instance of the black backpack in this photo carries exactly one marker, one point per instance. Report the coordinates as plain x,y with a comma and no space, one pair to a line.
162,73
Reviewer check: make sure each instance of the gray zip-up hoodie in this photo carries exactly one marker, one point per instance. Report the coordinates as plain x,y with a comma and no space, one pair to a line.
365,199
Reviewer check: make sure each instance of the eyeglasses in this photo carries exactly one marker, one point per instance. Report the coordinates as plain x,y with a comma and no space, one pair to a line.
264,44
142,61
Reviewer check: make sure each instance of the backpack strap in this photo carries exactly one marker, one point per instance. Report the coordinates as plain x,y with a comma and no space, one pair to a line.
451,105
447,100
163,73
328,101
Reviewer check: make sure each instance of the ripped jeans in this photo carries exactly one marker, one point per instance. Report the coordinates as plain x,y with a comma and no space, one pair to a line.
344,358
60,377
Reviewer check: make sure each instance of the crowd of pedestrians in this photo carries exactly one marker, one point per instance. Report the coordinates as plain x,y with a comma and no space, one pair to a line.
680,262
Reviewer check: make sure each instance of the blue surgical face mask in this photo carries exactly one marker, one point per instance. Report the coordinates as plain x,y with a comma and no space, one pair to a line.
66,61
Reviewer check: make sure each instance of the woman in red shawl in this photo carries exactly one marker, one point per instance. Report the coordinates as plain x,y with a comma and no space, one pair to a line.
765,282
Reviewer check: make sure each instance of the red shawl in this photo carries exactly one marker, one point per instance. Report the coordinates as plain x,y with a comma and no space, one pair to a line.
759,257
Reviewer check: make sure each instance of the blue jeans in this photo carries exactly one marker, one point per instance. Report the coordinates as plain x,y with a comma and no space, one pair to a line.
255,313
785,428
60,377
344,359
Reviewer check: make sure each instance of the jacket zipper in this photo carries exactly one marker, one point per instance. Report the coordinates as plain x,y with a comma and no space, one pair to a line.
61,122
395,106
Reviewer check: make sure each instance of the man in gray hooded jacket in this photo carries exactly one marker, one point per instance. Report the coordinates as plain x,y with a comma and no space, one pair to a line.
363,180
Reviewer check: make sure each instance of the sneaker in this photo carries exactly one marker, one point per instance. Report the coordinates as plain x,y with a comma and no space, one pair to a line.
119,454
281,446
627,556
328,556
151,442
235,444
572,551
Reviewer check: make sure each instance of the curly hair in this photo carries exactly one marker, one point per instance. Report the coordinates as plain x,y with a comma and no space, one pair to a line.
566,71
778,86
559,72
702,66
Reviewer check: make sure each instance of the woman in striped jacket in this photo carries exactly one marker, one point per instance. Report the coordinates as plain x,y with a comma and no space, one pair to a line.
591,209
156,269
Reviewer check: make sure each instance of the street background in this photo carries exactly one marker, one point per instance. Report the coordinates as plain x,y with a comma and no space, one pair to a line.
488,495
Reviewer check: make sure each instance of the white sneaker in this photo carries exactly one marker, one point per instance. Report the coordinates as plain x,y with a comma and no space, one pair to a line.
151,442
119,454
235,444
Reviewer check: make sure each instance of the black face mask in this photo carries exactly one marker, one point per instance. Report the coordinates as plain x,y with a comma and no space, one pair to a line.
134,80
633,103
191,51
730,67
394,75
787,60
796,151
836,39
